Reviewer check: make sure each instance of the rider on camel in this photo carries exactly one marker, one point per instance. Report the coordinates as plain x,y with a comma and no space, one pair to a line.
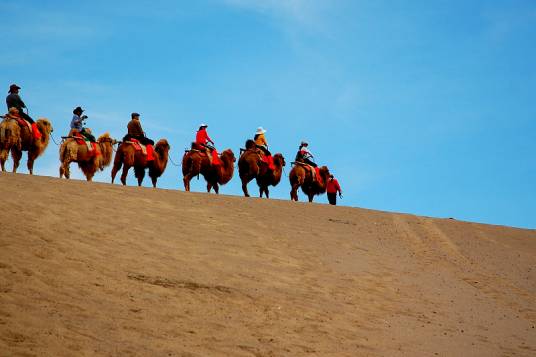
77,123
13,100
260,141
262,144
304,155
135,131
202,140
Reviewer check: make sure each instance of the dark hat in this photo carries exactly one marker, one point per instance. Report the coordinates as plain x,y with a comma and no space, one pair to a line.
134,115
13,87
78,110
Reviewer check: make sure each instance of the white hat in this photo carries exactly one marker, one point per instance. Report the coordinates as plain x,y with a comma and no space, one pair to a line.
203,125
260,130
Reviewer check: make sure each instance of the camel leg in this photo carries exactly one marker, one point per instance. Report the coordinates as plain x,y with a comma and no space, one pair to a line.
117,166
89,170
245,181
66,169
124,174
139,172
311,196
16,154
153,180
186,180
209,187
31,159
294,192
4,153
267,192
216,188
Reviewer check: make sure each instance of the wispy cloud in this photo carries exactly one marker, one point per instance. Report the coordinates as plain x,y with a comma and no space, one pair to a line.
305,13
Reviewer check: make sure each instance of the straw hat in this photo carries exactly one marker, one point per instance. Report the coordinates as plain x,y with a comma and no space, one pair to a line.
260,130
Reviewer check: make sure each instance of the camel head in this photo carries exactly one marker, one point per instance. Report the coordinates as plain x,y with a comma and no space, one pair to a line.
45,126
324,171
105,138
278,158
228,155
162,146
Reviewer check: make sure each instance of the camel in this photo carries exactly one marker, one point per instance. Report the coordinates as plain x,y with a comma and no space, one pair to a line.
251,167
88,162
18,139
128,157
302,176
195,163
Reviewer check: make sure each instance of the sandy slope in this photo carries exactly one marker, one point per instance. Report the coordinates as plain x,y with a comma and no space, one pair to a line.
94,269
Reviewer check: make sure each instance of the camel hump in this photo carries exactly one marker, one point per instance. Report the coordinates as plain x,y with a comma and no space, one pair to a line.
250,144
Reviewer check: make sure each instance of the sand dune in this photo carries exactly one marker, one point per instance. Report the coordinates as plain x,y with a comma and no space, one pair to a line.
94,269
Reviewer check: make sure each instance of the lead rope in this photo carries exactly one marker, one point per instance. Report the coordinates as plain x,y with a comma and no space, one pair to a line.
173,162
54,140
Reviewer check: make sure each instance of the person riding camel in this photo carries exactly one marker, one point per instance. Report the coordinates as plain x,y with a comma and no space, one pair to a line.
77,123
135,131
13,100
262,144
304,155
202,140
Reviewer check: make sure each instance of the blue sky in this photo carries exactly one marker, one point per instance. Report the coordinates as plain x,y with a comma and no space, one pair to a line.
425,107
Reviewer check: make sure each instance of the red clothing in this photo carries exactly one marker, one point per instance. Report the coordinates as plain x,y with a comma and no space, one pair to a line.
201,138
333,186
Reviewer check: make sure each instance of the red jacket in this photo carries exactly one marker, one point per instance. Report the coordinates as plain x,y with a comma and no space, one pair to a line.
333,186
202,137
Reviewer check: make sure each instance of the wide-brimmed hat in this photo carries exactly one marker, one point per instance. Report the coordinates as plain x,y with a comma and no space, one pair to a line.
78,109
134,115
260,130
13,87
203,125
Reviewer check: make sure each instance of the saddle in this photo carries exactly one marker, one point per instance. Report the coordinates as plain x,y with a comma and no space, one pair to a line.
267,159
146,150
81,140
204,151
23,123
315,171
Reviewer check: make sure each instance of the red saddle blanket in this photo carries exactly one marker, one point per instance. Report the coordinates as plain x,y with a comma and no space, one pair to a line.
81,140
318,177
269,160
203,151
149,150
25,124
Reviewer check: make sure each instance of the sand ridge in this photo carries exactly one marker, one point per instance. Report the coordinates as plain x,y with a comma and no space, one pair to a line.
95,269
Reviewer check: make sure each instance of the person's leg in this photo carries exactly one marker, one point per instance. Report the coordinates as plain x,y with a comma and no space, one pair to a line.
26,116
89,136
332,198
307,161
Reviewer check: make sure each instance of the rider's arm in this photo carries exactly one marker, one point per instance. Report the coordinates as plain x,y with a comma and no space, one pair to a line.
209,139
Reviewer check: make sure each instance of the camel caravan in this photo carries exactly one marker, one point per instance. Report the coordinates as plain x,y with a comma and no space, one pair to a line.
19,132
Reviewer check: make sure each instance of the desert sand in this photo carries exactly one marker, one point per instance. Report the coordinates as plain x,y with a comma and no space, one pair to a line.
93,269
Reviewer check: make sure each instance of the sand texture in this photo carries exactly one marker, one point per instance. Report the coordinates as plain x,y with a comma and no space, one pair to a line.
91,269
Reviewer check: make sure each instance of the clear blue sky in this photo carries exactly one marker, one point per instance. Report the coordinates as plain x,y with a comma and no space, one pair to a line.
425,107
